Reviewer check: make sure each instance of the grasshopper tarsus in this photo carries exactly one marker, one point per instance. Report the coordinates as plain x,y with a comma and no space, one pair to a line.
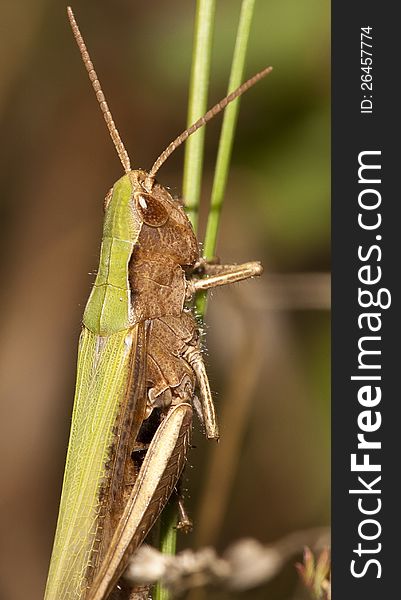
184,522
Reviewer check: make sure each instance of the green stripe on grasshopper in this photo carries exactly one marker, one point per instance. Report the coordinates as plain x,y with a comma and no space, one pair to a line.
109,306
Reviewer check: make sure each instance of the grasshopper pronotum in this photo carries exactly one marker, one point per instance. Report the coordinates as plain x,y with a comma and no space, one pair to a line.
139,362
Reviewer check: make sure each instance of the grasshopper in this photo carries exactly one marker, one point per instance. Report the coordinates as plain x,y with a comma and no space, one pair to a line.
139,364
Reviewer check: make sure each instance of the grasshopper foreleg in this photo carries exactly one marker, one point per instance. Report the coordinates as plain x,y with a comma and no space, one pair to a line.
222,275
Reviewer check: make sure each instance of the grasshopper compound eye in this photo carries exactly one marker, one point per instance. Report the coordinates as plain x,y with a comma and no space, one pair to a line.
151,210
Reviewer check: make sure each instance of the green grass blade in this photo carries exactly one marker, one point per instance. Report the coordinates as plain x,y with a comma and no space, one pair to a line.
193,164
228,128
168,541
197,105
226,138
192,178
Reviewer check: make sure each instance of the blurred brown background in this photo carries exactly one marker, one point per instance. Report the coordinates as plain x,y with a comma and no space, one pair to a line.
267,340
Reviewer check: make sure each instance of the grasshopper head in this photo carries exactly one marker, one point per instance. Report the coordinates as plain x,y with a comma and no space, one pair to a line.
165,228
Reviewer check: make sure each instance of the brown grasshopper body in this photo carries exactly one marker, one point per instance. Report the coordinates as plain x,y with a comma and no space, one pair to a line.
166,250
138,309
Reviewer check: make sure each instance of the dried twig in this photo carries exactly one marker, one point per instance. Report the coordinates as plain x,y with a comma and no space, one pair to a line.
245,564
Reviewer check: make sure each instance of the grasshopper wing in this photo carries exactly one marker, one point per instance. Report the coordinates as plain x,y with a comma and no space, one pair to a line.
109,405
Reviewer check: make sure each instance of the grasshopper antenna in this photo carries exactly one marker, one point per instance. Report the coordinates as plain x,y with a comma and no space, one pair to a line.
207,117
115,136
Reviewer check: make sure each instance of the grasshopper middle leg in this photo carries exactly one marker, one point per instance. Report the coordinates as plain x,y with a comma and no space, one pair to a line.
222,275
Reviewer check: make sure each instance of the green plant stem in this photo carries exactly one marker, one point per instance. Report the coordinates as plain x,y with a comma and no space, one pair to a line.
226,139
192,177
168,541
193,164
197,106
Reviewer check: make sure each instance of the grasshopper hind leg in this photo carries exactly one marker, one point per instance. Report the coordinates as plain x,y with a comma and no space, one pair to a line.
157,479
